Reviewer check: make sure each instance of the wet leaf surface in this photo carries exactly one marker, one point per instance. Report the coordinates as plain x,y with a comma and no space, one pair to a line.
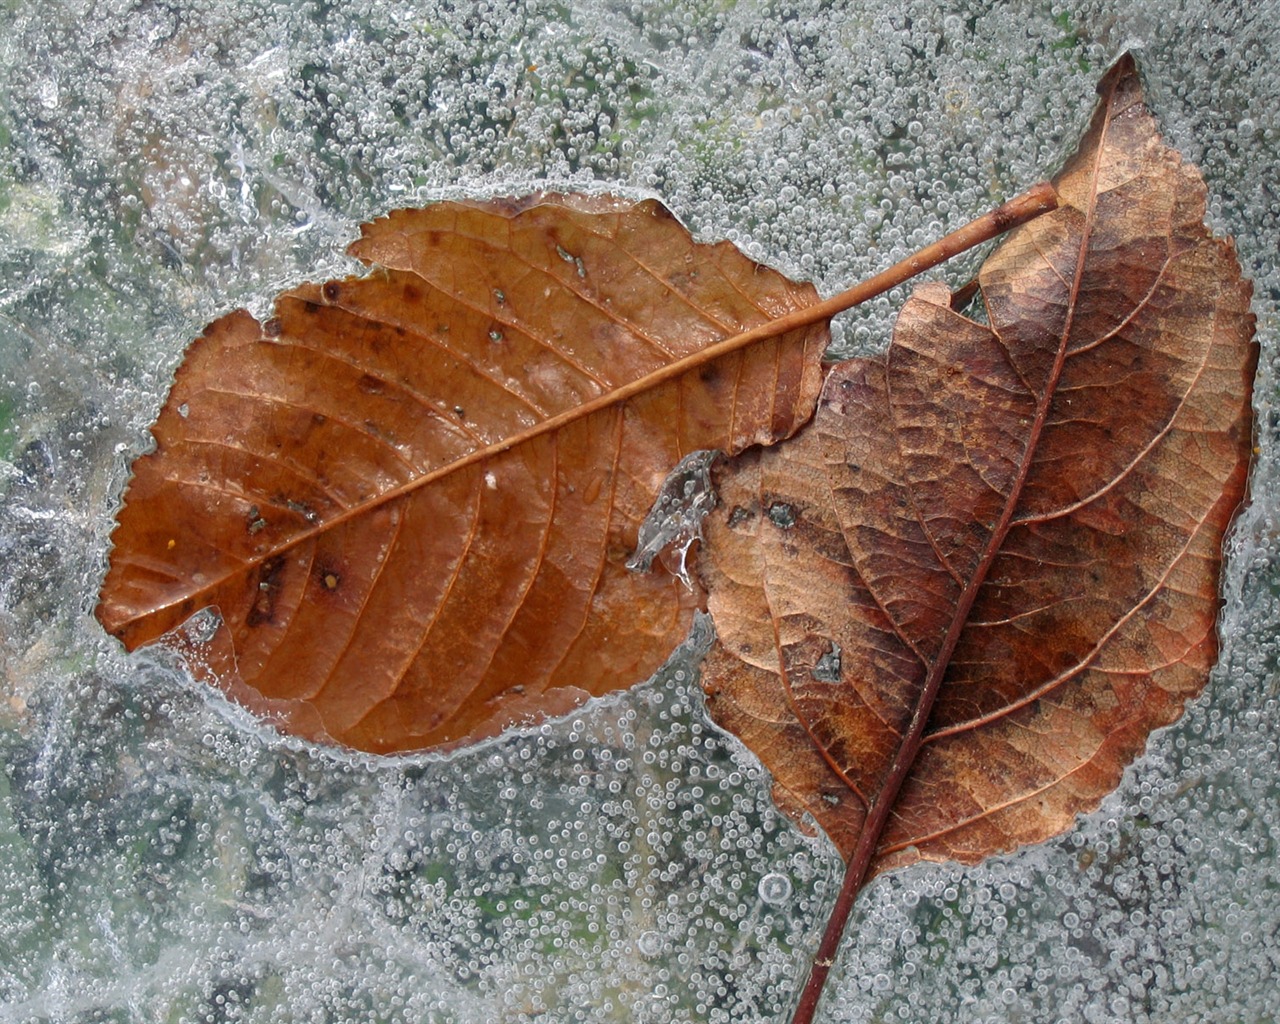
953,608
412,495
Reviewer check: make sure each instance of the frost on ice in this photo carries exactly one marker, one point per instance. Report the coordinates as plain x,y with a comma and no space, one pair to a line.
163,856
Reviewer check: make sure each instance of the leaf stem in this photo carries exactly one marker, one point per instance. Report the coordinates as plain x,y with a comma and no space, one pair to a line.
1030,204
1026,206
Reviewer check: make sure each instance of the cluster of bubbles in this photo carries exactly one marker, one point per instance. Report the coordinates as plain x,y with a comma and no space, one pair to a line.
168,859
162,856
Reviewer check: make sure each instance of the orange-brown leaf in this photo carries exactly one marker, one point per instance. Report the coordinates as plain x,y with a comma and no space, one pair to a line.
412,495
952,609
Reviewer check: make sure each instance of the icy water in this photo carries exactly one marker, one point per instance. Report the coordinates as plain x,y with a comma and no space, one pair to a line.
165,858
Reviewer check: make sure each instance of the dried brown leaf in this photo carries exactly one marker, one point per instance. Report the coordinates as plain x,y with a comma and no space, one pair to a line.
954,607
412,495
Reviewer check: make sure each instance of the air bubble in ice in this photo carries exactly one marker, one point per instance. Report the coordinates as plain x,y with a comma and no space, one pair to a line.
650,944
774,888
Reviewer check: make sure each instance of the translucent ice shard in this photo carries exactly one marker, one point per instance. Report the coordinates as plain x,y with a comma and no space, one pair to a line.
675,520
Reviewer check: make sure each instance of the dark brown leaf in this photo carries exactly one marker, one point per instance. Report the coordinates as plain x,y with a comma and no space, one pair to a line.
952,609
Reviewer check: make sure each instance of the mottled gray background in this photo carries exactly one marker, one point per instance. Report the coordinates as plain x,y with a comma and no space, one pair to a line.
165,858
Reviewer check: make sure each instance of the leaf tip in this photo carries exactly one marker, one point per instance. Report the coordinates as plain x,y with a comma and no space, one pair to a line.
1124,68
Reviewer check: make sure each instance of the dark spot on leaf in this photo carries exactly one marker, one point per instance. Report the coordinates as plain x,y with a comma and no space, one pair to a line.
267,587
272,327
303,509
332,291
782,515
827,669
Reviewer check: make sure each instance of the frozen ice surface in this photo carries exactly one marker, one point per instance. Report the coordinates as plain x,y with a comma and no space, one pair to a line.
163,857
675,520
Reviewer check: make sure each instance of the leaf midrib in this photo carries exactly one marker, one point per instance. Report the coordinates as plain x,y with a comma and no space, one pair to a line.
1038,199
